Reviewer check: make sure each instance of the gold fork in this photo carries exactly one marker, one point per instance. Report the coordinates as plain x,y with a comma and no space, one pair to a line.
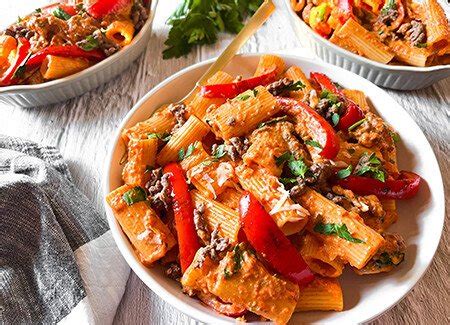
260,16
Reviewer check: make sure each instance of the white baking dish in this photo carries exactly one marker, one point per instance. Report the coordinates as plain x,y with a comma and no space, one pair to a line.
83,81
390,76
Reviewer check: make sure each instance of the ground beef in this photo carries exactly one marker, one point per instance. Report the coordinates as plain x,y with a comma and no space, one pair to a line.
17,31
414,32
108,47
359,204
174,271
370,132
200,224
278,87
240,145
179,112
231,121
139,14
387,17
158,188
214,250
316,177
326,108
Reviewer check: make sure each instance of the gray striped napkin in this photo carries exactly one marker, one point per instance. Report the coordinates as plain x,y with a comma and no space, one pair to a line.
58,262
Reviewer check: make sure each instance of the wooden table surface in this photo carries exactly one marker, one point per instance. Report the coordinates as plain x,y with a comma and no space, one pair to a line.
82,127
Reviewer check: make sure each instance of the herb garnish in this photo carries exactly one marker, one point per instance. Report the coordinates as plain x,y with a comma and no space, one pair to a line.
313,143
238,258
38,10
372,165
273,121
335,119
294,86
184,154
247,94
164,137
395,136
356,124
90,43
136,194
197,22
421,45
296,168
336,229
344,173
390,4
219,152
61,14
20,72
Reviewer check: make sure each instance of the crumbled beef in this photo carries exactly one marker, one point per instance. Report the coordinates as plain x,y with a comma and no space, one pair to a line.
316,177
240,145
414,32
278,87
327,108
388,256
158,188
179,112
17,31
200,224
108,47
338,199
139,14
387,17
370,131
359,204
174,271
214,249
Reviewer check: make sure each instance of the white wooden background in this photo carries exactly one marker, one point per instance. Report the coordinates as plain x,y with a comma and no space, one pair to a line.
81,128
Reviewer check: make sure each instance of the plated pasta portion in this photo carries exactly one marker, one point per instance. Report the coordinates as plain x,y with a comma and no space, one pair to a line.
61,39
255,194
400,32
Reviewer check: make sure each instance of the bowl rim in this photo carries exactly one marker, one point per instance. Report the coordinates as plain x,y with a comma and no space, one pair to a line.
86,73
361,59
180,303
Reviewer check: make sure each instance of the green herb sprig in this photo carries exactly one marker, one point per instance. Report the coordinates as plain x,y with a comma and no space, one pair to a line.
336,229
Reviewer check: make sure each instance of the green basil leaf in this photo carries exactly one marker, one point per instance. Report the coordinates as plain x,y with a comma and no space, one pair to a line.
298,168
313,143
90,43
336,229
335,119
344,173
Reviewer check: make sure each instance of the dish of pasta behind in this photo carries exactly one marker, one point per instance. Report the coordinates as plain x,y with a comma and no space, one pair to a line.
358,293
408,52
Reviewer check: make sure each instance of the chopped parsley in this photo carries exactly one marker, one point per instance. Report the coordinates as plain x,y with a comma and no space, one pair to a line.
371,165
390,5
247,94
335,119
335,229
273,121
38,10
182,154
421,45
294,168
219,152
395,136
164,137
356,124
313,143
89,43
61,14
344,173
383,260
332,98
238,258
136,194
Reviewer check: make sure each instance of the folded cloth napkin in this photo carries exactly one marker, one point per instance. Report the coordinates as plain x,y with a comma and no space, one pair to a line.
58,261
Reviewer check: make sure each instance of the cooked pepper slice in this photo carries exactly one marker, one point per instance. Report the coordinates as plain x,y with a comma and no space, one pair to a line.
101,8
403,187
66,51
233,89
23,51
183,209
71,10
323,132
353,113
270,242
345,10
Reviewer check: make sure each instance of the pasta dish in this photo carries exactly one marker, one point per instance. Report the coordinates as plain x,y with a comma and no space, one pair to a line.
256,193
60,39
387,31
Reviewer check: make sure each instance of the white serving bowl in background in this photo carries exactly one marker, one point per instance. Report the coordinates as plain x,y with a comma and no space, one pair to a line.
74,85
365,297
399,77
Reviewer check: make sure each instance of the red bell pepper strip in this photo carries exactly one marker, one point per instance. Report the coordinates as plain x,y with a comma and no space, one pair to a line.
231,310
233,89
183,209
345,10
71,10
23,51
353,112
404,187
270,242
322,131
101,8
66,51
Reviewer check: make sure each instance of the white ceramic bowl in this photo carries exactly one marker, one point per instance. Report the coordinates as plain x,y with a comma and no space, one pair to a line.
74,85
365,297
390,76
